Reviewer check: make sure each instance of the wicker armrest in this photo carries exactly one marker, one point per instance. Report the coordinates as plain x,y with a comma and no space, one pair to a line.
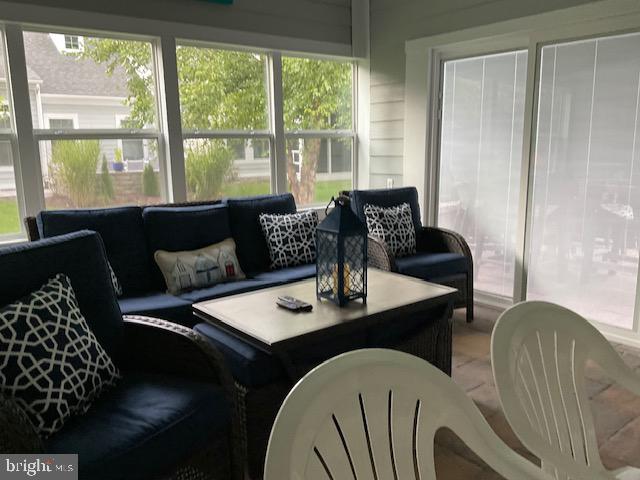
432,239
379,255
155,345
17,435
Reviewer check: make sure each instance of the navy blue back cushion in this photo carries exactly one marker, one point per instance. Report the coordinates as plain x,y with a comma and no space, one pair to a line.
80,256
183,228
251,245
387,198
123,236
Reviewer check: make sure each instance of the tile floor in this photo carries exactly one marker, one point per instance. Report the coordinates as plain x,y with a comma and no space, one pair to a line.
616,411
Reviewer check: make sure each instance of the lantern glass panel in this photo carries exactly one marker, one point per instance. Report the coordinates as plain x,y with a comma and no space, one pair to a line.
354,265
327,264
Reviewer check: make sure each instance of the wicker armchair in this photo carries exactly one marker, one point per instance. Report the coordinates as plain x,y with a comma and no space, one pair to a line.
448,258
153,355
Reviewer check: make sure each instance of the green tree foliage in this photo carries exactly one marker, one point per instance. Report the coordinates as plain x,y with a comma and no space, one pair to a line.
150,186
106,182
222,89
207,166
75,163
135,60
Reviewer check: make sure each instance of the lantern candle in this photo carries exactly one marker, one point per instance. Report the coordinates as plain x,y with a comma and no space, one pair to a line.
345,277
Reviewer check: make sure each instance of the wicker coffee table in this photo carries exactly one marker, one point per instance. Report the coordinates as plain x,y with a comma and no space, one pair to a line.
255,318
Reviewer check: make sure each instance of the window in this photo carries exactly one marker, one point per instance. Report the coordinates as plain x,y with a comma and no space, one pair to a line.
10,227
62,122
480,158
318,119
71,42
97,163
225,118
586,192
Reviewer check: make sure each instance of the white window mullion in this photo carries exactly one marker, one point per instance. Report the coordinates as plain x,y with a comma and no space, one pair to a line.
171,119
27,158
276,112
523,238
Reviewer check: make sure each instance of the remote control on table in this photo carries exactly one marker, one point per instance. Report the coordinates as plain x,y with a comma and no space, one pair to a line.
293,304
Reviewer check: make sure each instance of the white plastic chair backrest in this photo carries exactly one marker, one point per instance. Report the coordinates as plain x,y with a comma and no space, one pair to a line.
539,352
373,414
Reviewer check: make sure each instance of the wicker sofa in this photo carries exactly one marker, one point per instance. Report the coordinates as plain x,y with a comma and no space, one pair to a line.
261,383
442,256
170,416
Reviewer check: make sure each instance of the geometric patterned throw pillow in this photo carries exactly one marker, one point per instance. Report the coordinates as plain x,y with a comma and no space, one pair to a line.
394,226
291,238
114,281
51,364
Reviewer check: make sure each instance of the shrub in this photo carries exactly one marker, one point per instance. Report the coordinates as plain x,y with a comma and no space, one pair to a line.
150,182
75,163
208,165
106,182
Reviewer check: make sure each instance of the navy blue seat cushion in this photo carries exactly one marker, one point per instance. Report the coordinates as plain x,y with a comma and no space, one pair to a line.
288,275
144,427
249,365
183,228
159,305
387,198
225,289
430,266
123,236
251,245
80,256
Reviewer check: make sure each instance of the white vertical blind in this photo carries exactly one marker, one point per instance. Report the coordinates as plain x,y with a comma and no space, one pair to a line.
586,195
480,158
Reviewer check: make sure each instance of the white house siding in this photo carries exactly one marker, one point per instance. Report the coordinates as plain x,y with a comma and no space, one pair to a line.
393,22
325,20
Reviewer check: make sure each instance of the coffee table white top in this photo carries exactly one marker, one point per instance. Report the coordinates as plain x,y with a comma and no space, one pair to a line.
256,317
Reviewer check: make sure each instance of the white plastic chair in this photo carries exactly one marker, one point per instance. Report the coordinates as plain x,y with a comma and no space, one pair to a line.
539,351
373,414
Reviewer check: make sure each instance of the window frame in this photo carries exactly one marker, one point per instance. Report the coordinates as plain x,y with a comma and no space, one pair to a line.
168,132
156,134
257,134
351,133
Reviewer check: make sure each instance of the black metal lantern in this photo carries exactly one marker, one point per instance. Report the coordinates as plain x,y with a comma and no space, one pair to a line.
341,243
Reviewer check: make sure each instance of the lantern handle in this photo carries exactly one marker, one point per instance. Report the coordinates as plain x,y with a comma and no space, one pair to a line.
342,200
326,209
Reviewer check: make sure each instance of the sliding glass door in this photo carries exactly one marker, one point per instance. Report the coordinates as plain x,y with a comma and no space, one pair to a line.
580,225
480,160
586,186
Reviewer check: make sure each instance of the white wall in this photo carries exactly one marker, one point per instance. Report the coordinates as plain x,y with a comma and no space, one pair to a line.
324,20
395,21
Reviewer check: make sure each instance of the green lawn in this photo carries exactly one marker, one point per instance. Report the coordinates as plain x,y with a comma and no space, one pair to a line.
324,190
9,218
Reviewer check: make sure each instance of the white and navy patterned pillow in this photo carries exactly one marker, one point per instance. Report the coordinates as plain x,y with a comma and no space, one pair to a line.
291,238
51,363
394,226
114,281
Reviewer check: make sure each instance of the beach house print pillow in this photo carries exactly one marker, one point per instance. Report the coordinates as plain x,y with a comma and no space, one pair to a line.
189,270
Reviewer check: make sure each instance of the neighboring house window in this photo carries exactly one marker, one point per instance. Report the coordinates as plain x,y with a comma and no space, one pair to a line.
72,42
61,123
